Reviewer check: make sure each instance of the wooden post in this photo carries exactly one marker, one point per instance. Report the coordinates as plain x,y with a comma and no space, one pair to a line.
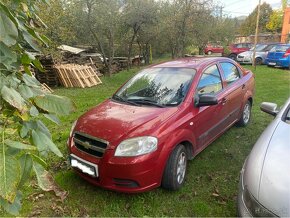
256,35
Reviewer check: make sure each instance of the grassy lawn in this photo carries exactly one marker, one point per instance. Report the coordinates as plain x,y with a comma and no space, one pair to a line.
212,181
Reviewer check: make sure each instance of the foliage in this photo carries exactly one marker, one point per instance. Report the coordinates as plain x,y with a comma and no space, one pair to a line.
276,21
249,25
25,140
137,25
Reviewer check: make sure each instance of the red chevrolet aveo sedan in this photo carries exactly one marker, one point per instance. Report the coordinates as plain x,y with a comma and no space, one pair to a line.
143,136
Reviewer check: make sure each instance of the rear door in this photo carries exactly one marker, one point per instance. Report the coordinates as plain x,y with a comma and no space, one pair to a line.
235,90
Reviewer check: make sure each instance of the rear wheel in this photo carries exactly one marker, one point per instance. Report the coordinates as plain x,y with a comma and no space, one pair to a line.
259,61
175,170
246,115
209,52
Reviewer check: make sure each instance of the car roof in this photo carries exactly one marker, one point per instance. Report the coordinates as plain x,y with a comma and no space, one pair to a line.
192,62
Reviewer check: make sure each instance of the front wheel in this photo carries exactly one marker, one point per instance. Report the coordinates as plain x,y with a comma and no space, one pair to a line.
175,170
233,56
246,115
209,52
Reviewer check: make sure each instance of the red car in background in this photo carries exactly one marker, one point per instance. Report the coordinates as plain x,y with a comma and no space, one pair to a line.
238,48
213,48
144,135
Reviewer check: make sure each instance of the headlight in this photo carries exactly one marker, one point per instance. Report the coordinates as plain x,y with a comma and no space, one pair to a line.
254,207
72,128
136,146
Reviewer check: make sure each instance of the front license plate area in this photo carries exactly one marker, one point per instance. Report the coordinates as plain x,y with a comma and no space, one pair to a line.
84,166
272,63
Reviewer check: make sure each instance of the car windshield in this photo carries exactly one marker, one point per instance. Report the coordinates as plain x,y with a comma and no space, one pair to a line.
157,87
259,47
280,48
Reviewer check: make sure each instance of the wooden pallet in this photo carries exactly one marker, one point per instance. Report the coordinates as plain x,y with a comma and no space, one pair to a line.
72,75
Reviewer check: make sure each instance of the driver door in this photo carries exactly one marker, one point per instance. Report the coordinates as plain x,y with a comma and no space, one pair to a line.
209,121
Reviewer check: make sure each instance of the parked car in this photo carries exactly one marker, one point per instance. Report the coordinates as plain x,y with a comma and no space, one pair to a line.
279,56
238,48
213,48
144,134
265,180
261,54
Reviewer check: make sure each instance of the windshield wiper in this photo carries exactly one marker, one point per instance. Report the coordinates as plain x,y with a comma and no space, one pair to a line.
119,98
146,102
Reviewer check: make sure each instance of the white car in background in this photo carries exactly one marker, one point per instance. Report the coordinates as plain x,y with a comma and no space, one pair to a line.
261,54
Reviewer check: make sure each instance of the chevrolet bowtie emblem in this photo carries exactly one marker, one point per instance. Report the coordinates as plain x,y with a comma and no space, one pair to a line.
87,145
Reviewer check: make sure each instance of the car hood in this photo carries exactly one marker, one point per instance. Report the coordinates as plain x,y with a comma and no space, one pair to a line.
274,192
113,121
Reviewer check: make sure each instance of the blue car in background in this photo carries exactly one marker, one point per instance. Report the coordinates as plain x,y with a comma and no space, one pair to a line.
279,56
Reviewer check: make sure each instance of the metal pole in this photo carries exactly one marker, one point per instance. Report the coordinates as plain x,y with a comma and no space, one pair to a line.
256,35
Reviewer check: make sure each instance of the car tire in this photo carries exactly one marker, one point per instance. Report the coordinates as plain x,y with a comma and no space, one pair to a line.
175,169
258,61
246,115
233,56
209,52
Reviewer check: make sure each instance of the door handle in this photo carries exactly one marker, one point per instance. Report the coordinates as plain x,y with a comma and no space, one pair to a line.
243,86
224,101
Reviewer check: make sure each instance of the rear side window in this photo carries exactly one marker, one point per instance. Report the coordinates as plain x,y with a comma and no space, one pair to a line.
210,82
280,48
231,72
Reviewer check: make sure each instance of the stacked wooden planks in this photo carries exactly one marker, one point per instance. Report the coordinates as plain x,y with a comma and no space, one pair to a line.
49,76
72,75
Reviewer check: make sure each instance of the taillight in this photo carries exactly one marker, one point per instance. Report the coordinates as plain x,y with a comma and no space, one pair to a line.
287,53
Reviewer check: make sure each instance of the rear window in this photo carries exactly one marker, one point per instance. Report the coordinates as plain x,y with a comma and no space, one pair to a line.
280,48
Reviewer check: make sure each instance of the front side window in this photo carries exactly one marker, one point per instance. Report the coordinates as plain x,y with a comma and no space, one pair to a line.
231,72
157,87
210,82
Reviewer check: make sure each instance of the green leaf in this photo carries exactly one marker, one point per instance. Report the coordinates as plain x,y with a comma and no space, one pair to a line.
46,181
13,97
52,118
44,143
13,208
25,59
42,127
39,143
19,145
10,177
30,40
39,160
7,56
38,65
33,111
25,91
30,81
26,166
40,175
55,104
8,30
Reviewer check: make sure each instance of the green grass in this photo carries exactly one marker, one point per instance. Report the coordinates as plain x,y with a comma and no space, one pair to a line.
215,170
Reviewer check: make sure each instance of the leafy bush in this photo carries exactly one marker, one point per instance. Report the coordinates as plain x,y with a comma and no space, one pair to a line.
25,140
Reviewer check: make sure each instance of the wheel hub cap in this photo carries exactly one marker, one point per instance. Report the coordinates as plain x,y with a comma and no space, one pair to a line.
181,167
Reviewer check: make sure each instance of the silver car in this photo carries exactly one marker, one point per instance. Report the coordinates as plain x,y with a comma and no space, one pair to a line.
265,178
261,54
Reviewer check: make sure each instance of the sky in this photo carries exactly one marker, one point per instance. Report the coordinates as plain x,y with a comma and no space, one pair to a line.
236,8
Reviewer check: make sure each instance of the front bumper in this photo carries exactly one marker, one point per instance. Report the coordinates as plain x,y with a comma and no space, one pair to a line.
123,174
244,59
241,207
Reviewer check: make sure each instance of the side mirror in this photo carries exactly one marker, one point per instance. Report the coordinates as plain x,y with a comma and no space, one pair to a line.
206,100
269,108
